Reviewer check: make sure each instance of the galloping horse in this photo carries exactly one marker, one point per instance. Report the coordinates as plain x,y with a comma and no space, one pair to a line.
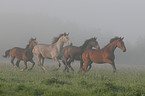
72,53
24,54
104,55
53,51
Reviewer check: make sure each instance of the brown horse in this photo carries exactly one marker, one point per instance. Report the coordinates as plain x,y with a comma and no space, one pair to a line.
72,53
104,55
24,54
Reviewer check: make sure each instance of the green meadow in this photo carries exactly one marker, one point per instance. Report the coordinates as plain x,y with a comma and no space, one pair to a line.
100,81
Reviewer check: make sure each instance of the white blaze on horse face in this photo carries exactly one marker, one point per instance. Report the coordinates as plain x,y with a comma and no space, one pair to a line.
66,40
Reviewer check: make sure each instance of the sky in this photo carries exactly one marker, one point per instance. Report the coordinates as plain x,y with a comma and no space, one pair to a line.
44,19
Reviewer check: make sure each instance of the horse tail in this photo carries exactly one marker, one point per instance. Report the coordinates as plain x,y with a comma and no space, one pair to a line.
7,53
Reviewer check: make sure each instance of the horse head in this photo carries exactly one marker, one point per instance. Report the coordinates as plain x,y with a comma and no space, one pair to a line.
32,42
65,39
121,45
92,43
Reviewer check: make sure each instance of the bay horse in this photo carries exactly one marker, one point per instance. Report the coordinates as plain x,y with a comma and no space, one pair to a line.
52,51
104,55
24,54
72,53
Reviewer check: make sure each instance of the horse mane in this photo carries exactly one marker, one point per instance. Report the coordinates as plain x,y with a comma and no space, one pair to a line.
27,46
113,39
55,39
27,50
86,42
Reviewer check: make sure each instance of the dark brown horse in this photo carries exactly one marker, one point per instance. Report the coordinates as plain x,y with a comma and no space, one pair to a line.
104,55
72,53
24,54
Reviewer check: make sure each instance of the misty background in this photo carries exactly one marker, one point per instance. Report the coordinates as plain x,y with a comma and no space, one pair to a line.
83,19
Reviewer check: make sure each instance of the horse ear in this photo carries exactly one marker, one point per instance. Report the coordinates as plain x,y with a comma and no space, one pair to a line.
65,34
122,38
95,38
33,38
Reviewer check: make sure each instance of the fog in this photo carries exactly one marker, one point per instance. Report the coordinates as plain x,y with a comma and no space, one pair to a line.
83,19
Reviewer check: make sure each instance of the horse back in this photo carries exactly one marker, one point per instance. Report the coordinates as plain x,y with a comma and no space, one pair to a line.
43,50
17,52
71,51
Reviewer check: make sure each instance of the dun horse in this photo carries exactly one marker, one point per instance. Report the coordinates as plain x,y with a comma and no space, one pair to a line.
24,54
53,51
104,55
72,53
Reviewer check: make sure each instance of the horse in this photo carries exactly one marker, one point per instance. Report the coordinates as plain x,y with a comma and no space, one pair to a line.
53,51
104,55
24,54
72,53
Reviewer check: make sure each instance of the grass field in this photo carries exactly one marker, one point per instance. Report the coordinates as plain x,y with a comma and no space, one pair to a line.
100,81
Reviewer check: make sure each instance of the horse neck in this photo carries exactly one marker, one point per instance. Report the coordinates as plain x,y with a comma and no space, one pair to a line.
112,46
88,47
28,50
84,46
59,44
30,46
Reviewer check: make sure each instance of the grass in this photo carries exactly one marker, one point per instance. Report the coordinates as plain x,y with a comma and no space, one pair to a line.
100,81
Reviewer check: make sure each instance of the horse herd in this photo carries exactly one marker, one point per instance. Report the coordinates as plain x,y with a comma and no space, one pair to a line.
84,53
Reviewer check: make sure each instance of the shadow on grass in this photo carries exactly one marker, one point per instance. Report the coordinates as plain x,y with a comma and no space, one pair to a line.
38,92
54,81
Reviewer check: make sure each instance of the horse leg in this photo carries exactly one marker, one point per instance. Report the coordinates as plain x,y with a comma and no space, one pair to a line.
25,62
57,61
41,62
90,66
12,62
69,64
81,64
112,64
32,65
65,63
85,66
17,63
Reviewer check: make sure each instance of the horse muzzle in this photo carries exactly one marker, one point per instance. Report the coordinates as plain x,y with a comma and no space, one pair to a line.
124,50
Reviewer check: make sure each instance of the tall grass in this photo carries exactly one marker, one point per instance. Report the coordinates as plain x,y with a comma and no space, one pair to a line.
100,81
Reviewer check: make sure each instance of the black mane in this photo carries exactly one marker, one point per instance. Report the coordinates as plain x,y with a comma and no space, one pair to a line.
113,39
27,46
55,39
86,42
